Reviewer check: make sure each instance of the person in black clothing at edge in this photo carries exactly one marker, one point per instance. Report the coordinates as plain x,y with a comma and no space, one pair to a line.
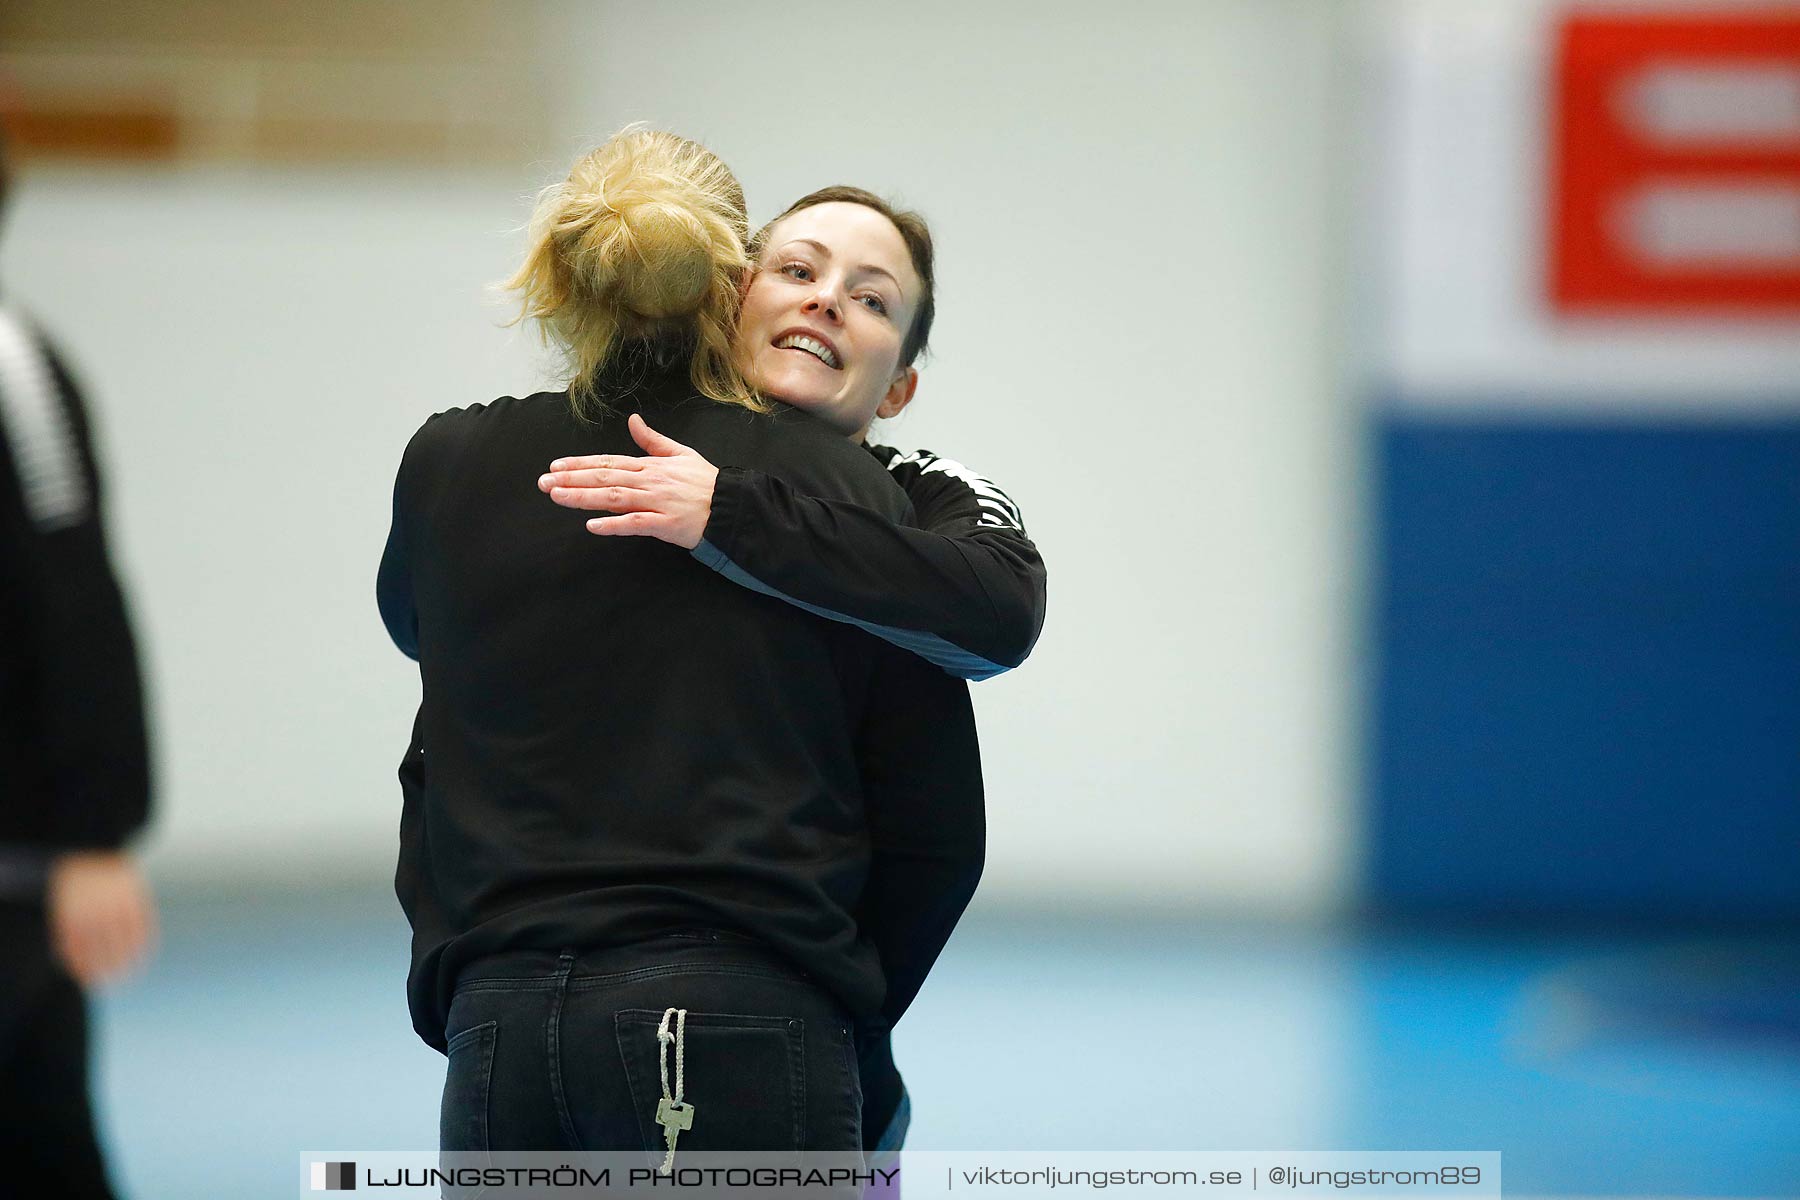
74,767
966,590
650,821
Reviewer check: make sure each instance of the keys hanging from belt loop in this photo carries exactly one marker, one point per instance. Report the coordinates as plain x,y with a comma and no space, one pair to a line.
673,1115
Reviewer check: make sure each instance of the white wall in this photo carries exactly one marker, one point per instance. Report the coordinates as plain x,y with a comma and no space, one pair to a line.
258,348
1136,214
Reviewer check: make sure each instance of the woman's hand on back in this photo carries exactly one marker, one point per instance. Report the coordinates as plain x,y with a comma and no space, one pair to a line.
667,493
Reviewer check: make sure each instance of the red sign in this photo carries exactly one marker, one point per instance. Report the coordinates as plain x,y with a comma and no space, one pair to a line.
1675,173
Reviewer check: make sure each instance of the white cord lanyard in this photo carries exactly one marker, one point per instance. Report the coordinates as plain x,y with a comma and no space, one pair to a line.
671,1113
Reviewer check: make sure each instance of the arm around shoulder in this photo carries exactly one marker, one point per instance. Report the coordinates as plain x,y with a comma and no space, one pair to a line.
966,590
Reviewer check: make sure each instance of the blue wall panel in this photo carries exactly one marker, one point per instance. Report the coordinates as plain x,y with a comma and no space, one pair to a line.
1586,689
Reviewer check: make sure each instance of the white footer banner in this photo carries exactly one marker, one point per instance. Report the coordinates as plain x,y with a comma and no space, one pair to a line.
1416,1174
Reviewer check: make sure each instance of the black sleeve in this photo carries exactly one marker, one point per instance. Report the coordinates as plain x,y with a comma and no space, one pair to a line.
88,702
408,877
921,773
393,578
965,591
393,583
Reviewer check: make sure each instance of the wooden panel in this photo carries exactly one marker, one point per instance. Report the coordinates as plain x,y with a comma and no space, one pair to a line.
69,133
328,82
455,28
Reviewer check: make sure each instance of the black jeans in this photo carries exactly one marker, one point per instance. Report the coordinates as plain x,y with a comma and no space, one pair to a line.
558,1052
46,1122
887,1110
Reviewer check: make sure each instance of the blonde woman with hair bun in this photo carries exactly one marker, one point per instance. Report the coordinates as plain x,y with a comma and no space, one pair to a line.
641,848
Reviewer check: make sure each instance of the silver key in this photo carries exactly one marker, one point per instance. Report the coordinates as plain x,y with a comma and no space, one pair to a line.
674,1117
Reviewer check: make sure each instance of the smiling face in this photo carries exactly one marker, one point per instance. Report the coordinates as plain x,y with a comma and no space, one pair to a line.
826,314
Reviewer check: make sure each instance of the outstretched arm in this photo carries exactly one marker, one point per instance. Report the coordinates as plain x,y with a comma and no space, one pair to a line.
966,591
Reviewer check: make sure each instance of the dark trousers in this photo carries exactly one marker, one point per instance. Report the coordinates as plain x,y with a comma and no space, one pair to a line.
46,1121
886,1109
559,1052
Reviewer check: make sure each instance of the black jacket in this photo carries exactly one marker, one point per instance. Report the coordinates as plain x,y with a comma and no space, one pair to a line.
614,741
965,590
74,762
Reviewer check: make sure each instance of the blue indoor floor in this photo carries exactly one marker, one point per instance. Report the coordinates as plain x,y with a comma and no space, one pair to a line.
1640,1063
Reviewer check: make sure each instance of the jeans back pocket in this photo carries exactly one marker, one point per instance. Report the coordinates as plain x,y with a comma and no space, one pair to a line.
463,1117
744,1075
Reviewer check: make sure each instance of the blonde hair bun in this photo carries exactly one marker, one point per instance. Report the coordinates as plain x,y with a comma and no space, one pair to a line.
645,238
641,243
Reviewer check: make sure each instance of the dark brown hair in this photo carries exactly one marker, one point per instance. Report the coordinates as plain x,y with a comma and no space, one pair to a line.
913,231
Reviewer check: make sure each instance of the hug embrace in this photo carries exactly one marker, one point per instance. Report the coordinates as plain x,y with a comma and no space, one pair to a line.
694,799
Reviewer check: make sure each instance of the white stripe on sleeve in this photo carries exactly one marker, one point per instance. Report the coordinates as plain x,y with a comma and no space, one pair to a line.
997,508
36,427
